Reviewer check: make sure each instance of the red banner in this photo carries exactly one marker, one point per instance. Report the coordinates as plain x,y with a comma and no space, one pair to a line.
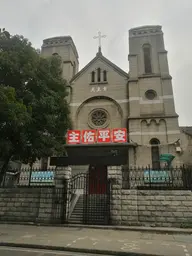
104,136
118,135
73,137
89,136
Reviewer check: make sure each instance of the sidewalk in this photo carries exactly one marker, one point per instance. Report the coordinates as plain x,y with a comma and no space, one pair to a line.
160,230
102,241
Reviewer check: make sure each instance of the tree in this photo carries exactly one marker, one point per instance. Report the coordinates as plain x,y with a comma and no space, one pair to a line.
34,114
14,117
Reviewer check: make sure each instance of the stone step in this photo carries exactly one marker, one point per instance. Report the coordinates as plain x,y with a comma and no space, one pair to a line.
91,209
92,199
78,212
78,216
76,221
91,215
96,208
91,203
93,220
78,205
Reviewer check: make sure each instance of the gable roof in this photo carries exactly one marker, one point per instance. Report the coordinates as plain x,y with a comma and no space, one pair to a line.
100,56
187,130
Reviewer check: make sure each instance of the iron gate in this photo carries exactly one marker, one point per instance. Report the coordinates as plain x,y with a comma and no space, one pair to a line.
89,199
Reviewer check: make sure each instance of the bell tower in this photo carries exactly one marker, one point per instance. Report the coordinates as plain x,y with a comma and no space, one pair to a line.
66,49
152,115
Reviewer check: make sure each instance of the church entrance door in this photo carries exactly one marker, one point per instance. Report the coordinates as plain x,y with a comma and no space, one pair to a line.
97,179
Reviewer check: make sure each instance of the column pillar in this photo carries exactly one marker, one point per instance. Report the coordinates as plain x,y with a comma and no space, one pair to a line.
115,175
62,174
62,184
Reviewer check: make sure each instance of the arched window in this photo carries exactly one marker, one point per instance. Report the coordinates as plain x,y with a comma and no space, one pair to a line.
147,58
69,93
98,75
104,75
155,153
93,76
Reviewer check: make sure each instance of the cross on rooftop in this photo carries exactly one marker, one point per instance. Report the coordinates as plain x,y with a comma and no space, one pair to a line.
99,37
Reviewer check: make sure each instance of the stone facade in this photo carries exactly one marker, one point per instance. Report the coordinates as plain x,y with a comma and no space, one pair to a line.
64,47
147,118
125,96
186,142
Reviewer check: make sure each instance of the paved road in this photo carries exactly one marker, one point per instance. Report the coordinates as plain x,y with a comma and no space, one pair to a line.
97,239
7,251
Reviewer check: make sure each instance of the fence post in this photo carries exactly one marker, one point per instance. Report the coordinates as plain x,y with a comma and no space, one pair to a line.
30,174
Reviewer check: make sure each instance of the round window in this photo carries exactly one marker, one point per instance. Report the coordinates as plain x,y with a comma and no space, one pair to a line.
98,118
150,94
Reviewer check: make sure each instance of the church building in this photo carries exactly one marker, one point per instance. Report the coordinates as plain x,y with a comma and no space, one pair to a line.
103,96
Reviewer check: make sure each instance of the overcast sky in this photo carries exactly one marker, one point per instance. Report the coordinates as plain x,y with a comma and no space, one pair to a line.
39,19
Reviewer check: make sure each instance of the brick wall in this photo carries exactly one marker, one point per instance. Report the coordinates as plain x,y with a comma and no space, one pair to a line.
156,208
31,204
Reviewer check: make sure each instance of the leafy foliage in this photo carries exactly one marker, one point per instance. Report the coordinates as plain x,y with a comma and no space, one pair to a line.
14,116
34,115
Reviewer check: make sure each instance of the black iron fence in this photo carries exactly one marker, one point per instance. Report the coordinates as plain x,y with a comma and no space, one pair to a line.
147,178
132,178
33,195
28,177
89,199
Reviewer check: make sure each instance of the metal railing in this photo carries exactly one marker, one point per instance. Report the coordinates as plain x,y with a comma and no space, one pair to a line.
132,178
28,177
179,178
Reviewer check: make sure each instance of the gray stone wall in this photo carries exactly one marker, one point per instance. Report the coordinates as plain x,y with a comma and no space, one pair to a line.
171,208
164,208
129,210
31,204
37,204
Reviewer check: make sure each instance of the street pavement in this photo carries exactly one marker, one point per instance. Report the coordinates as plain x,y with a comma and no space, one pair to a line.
94,240
8,251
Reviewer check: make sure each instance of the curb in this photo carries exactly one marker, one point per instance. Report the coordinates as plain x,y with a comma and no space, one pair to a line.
70,249
138,229
120,228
